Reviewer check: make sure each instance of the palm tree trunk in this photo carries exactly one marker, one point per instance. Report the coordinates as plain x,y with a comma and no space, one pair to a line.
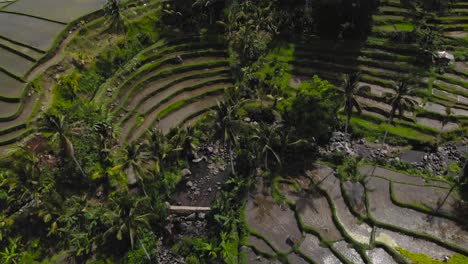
70,152
439,137
144,250
79,166
392,113
231,159
444,200
348,118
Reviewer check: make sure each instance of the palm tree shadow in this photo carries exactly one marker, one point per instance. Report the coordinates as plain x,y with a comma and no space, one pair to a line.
307,200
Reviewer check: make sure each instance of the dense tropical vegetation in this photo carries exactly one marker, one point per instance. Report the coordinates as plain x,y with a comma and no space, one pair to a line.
85,188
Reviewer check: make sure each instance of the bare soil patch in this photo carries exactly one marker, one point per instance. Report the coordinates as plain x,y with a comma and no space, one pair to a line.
274,222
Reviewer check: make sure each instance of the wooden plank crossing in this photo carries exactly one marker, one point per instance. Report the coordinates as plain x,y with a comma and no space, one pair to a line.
188,209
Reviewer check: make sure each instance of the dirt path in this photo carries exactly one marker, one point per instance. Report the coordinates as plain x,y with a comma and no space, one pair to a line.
57,58
47,96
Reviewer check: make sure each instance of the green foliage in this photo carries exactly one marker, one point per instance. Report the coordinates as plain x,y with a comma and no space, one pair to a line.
145,252
192,260
429,5
349,171
374,128
336,158
191,15
270,76
10,254
256,110
250,27
198,247
313,111
454,168
351,19
424,259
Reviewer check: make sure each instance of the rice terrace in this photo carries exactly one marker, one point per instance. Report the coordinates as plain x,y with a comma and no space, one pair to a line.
226,131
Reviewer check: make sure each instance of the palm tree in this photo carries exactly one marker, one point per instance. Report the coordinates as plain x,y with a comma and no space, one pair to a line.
159,148
106,135
225,116
462,180
27,174
113,12
128,218
57,128
186,141
401,101
288,141
208,4
350,89
134,162
267,139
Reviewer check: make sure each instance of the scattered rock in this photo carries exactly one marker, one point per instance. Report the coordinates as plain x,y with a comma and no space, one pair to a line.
291,241
186,172
203,158
201,216
191,217
189,184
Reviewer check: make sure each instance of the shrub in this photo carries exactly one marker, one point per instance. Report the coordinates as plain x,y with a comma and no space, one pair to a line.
454,169
349,170
192,260
257,110
312,111
146,251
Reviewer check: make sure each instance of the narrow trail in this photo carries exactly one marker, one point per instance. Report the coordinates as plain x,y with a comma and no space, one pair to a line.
56,59
47,91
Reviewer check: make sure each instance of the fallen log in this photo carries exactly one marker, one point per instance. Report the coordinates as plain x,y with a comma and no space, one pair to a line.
188,209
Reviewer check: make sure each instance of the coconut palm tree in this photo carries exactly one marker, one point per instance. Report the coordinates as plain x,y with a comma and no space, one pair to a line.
28,170
134,161
225,126
57,128
129,217
462,180
349,90
208,4
186,141
113,12
267,139
400,101
288,141
106,135
160,149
